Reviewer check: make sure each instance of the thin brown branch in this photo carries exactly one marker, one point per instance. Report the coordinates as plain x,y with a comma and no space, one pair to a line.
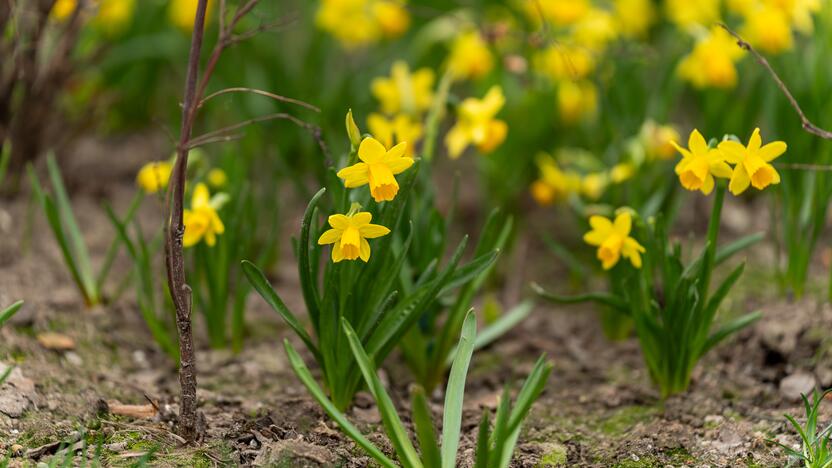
805,122
259,92
804,167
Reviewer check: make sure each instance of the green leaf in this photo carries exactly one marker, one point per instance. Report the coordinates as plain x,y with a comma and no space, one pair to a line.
455,392
390,418
307,280
499,327
5,158
9,311
727,251
483,434
5,375
529,393
264,288
727,330
425,432
318,394
606,299
470,270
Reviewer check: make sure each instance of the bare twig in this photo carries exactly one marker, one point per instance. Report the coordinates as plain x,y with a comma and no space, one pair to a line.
259,92
805,122
804,167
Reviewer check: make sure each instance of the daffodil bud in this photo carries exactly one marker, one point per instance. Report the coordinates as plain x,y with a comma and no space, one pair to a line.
352,130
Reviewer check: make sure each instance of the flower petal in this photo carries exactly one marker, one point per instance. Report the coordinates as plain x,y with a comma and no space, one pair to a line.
739,180
330,237
721,169
395,152
732,151
600,224
371,231
339,221
371,150
361,218
623,224
697,143
772,150
755,141
337,253
365,250
399,165
707,184
355,175
201,196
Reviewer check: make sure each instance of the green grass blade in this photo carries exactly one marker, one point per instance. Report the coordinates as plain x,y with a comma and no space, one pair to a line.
727,330
470,270
601,298
307,280
318,394
67,216
5,158
728,250
9,311
389,417
6,373
425,432
112,250
455,392
499,327
483,434
264,288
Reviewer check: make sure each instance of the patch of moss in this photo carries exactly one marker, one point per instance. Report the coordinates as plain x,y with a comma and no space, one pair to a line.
554,456
625,418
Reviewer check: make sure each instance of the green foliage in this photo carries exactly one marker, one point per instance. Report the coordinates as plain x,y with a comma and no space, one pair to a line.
64,227
670,303
5,315
495,446
816,451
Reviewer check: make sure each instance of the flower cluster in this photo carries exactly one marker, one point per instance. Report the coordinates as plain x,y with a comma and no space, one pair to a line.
701,163
356,23
612,237
109,16
477,124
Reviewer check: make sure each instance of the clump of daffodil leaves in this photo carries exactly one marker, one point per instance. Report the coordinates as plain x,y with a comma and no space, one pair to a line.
670,302
360,284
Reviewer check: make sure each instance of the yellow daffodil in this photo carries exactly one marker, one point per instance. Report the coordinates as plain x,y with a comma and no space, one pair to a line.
114,15
595,30
687,14
657,140
752,162
349,235
711,63
476,124
622,172
613,240
182,13
401,128
700,164
470,56
594,184
217,178
576,101
767,28
355,23
378,168
403,91
63,9
565,62
634,17
558,12
800,12
392,17
153,176
554,184
201,220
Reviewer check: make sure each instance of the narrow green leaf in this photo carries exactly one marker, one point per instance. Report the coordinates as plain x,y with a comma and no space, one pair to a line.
483,433
727,251
455,392
727,330
390,418
499,327
5,375
307,281
9,311
470,270
318,394
5,158
425,432
606,299
264,288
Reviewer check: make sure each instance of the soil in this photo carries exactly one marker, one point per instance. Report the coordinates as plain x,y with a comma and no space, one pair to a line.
598,410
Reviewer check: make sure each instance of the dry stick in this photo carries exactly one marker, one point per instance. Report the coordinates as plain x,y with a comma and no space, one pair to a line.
260,92
175,261
805,122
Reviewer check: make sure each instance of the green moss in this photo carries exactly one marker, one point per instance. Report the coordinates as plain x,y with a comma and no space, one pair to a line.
625,418
555,455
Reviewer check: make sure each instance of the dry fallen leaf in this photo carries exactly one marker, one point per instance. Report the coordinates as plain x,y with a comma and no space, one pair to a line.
56,341
146,411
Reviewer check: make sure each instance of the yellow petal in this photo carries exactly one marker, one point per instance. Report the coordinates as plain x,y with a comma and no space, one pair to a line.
732,151
600,224
685,153
354,176
365,250
697,143
337,254
772,150
755,141
339,221
457,140
623,224
361,218
371,231
381,128
201,196
329,237
707,184
721,169
371,151
594,237
399,165
739,180
396,152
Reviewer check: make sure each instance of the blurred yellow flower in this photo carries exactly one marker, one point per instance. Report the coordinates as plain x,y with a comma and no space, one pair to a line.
576,101
378,168
595,30
470,57
613,240
558,12
700,164
687,13
154,176
594,184
201,220
63,9
752,162
217,178
767,28
476,124
634,17
622,172
657,140
711,63
114,15
392,17
349,235
554,184
183,12
401,128
403,91
800,12
565,62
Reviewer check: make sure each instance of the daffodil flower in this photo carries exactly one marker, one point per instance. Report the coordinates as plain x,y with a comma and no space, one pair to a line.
404,91
700,164
153,176
378,167
470,57
752,162
400,128
477,125
201,220
349,235
613,240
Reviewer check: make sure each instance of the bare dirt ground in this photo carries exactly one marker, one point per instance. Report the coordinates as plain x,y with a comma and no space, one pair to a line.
598,410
